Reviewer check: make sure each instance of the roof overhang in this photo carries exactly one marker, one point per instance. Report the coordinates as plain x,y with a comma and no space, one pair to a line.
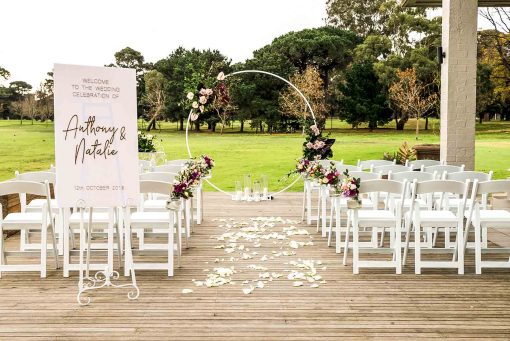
437,3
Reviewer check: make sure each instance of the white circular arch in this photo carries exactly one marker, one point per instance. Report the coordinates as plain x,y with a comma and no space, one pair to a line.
265,73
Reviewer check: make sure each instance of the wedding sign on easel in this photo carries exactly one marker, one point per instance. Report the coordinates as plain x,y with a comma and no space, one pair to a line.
96,148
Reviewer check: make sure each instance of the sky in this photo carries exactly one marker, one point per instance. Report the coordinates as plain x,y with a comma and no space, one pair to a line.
36,34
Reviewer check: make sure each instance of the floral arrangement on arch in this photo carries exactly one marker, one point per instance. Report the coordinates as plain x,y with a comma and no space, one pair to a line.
206,98
190,175
316,146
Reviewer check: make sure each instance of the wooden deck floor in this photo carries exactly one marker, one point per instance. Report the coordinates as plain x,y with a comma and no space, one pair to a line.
373,305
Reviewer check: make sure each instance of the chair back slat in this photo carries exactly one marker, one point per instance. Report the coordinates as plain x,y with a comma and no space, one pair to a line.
441,169
167,168
418,164
364,176
440,186
41,176
410,176
342,168
493,186
469,175
368,164
180,162
159,187
382,186
21,186
158,176
385,169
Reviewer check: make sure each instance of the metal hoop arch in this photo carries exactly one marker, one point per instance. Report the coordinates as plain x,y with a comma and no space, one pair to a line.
265,73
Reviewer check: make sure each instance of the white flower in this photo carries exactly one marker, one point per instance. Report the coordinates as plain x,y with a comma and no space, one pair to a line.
194,105
194,117
353,186
221,76
190,96
201,108
202,100
208,92
309,145
315,130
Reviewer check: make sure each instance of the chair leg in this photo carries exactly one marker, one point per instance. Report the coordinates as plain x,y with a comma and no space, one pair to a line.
308,205
119,243
303,209
171,247
478,248
128,257
66,237
2,253
460,242
55,248
355,247
397,244
407,241
319,202
330,226
179,239
110,246
383,234
346,242
417,249
44,249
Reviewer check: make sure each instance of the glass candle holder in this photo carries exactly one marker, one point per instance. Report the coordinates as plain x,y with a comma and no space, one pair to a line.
264,181
238,194
256,190
247,187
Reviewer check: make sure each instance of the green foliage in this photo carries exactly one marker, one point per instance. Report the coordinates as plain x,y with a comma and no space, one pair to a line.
364,99
403,154
146,143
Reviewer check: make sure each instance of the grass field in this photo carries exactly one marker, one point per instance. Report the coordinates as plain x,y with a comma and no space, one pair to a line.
30,147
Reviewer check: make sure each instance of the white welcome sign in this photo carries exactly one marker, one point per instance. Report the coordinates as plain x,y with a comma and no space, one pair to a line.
96,143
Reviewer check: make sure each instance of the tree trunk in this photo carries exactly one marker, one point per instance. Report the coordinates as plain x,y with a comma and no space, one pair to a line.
181,123
399,124
213,127
481,118
197,126
417,127
427,123
261,128
242,126
152,124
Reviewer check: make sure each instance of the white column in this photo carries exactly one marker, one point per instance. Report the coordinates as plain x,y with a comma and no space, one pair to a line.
458,82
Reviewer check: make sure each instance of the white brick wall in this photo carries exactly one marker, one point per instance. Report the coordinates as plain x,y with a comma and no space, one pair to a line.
458,82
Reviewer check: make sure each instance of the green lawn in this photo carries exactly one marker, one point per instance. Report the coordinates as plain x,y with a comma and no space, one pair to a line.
30,147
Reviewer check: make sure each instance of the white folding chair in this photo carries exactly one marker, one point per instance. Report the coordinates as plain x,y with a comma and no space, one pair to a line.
151,202
368,164
162,221
440,218
374,219
106,222
36,205
484,218
385,169
42,221
339,205
145,166
418,164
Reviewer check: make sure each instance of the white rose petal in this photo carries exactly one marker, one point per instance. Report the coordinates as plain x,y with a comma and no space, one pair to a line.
297,284
187,291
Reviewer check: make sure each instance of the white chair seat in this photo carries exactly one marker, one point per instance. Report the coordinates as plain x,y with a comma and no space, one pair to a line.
375,215
365,202
435,216
97,218
38,203
154,204
149,218
12,219
488,216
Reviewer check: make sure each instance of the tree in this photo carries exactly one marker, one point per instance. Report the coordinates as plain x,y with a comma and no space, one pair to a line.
154,96
485,96
499,37
4,73
363,99
44,96
378,17
222,104
413,98
186,71
310,84
130,58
